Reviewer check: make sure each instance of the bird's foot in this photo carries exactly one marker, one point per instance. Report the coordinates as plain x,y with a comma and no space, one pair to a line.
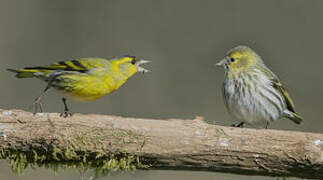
238,125
65,114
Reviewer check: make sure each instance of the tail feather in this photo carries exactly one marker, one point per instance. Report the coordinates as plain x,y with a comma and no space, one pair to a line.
23,73
293,116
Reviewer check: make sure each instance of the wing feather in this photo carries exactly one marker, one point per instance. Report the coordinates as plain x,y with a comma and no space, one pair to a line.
82,65
289,103
279,87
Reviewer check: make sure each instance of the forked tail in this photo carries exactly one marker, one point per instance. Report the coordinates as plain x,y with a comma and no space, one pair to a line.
293,116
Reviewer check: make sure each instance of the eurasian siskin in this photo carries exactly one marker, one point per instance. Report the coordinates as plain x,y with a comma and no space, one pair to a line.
252,93
84,79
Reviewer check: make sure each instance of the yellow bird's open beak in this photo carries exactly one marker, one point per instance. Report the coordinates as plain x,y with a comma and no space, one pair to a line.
141,69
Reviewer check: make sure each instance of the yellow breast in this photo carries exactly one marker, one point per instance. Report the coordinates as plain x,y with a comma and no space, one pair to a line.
88,87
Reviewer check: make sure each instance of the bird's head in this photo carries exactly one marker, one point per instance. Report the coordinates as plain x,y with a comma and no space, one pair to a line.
239,59
130,64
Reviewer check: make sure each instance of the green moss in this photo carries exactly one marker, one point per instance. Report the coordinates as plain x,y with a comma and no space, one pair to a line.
55,159
84,151
282,178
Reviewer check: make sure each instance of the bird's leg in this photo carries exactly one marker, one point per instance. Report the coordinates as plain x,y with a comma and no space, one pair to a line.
238,125
37,102
66,112
267,125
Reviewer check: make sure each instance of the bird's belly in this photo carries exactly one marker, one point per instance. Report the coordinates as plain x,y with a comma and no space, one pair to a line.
81,96
248,113
85,92
254,108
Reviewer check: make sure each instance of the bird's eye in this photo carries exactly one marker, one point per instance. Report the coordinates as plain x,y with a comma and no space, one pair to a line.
232,59
133,61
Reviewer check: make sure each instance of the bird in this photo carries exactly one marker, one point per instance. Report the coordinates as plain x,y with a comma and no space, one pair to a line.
252,93
84,79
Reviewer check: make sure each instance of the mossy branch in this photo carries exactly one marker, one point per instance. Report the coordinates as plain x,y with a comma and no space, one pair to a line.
115,143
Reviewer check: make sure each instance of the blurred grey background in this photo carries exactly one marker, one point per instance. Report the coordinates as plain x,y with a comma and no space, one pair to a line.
184,39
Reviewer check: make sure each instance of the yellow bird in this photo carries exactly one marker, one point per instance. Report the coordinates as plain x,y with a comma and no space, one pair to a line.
85,79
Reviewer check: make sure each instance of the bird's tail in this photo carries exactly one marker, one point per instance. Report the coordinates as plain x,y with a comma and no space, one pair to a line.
24,73
293,116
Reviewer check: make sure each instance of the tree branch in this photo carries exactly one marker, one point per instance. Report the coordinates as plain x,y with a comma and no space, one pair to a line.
159,144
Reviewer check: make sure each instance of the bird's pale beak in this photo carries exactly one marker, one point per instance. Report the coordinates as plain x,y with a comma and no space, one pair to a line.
221,63
141,69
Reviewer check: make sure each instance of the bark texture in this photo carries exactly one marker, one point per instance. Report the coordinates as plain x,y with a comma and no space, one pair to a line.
169,144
